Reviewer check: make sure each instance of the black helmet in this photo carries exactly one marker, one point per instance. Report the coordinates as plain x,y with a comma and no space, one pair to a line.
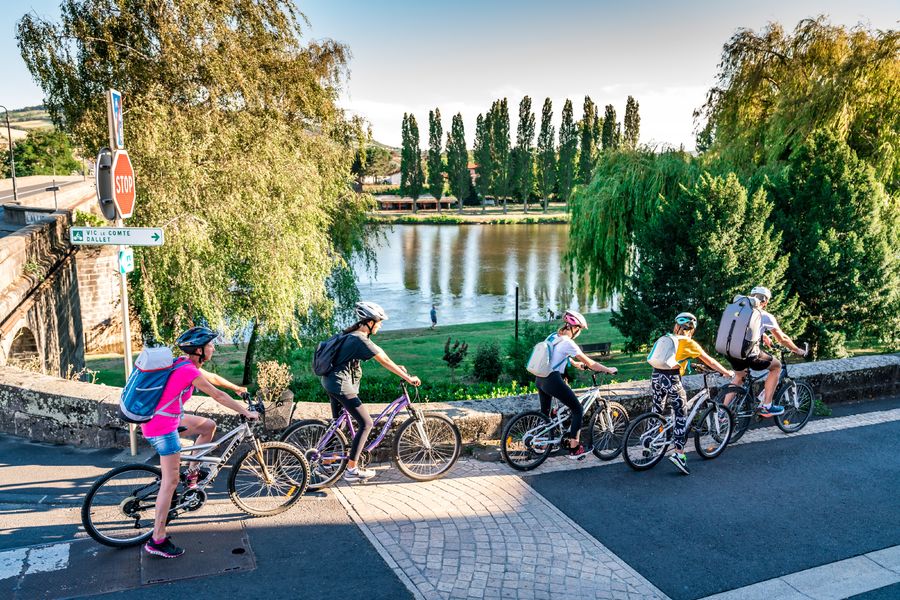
195,337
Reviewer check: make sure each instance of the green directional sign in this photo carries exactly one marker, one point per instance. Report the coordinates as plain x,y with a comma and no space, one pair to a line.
115,236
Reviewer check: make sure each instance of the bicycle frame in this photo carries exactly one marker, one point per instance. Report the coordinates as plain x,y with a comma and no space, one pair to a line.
200,452
587,401
694,403
388,415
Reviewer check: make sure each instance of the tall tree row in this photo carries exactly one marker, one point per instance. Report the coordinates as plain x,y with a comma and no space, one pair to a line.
588,143
546,155
458,161
568,150
632,132
523,154
484,170
412,177
435,160
500,152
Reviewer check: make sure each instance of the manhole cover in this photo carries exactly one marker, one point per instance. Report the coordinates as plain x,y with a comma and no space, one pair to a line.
209,549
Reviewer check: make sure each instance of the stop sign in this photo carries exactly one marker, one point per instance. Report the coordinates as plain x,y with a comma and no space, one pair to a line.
123,183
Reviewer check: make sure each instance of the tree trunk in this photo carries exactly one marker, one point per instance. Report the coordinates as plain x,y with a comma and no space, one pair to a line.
248,358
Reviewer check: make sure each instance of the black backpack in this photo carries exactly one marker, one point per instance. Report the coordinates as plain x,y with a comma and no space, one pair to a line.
326,353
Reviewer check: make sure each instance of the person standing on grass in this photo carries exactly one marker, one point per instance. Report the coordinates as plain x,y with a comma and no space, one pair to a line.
433,316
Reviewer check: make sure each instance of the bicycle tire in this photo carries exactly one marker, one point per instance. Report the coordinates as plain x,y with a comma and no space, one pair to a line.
636,445
324,470
609,446
88,507
720,437
514,433
427,463
741,407
797,410
288,471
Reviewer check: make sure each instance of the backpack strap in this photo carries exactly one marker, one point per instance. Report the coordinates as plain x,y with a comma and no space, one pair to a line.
161,410
553,345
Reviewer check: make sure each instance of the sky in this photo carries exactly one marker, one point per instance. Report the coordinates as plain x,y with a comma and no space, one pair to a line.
459,56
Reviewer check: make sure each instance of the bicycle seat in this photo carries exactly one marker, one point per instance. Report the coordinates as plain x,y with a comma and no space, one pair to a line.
182,429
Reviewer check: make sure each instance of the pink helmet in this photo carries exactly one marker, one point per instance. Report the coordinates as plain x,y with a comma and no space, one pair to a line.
575,318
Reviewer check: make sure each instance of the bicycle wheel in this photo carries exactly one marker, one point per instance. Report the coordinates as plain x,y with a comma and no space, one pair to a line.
712,432
268,482
326,464
527,440
608,430
798,400
646,441
428,452
120,507
741,407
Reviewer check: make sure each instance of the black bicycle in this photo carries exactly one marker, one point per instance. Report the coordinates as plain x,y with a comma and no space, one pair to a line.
797,398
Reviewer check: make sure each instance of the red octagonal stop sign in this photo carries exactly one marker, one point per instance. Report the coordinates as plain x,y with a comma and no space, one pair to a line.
123,183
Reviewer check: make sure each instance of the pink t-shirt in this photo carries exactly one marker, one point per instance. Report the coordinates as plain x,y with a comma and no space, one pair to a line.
179,380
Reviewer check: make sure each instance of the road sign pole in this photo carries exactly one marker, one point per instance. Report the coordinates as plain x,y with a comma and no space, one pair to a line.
126,331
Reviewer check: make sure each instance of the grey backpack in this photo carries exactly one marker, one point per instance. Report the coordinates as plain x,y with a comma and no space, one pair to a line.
740,328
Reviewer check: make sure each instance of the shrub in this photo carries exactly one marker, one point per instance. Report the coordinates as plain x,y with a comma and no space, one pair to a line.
487,364
518,350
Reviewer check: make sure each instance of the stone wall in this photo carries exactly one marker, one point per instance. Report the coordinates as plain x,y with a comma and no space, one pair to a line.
50,409
101,308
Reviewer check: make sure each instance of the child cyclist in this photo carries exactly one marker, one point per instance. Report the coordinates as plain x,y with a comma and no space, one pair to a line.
666,383
553,386
162,430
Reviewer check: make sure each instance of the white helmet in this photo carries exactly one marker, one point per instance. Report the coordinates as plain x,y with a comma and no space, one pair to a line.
761,291
575,318
369,310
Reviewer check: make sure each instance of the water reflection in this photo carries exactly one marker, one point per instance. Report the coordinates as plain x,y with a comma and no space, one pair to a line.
470,272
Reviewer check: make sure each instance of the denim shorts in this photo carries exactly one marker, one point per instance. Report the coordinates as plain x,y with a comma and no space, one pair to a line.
166,444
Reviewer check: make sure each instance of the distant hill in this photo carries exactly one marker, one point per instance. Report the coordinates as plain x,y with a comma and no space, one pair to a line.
28,118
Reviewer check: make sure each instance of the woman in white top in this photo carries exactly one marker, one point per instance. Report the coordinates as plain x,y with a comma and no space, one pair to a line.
564,351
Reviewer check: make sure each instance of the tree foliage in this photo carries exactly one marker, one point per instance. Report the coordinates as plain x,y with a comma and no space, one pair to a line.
240,150
435,160
371,160
501,180
568,149
43,152
546,154
632,132
484,169
412,177
588,143
458,161
523,154
611,129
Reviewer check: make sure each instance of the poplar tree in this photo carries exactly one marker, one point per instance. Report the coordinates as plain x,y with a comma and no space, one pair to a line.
523,156
405,160
610,141
588,143
500,178
484,164
568,148
458,161
416,178
435,161
546,163
632,124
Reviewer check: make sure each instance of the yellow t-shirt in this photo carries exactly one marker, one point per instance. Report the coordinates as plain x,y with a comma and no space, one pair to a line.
686,350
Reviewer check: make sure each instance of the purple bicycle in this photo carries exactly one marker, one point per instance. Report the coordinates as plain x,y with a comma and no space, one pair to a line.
425,446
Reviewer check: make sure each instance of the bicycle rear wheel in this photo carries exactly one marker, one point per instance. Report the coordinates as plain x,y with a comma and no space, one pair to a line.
527,440
608,430
798,400
268,482
120,507
326,464
428,452
713,430
646,441
741,406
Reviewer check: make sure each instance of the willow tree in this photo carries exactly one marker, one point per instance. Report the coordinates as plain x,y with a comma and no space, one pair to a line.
775,88
240,150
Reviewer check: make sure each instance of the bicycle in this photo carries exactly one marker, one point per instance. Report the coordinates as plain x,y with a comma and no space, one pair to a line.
797,398
530,436
649,436
425,446
267,479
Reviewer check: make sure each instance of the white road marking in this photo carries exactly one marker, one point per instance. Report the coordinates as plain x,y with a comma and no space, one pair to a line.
35,559
11,562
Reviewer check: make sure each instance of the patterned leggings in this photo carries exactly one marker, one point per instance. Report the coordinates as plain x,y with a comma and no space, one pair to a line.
665,388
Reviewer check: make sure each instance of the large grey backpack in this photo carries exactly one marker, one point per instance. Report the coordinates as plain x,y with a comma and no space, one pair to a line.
740,328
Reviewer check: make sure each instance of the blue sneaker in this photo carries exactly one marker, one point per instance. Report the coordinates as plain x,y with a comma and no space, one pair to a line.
770,411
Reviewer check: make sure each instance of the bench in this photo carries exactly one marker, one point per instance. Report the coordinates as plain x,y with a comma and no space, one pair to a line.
603,349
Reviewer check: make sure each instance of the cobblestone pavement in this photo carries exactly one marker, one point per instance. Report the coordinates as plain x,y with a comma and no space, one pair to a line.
483,532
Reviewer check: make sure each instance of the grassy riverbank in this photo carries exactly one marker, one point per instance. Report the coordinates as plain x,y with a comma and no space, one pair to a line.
492,215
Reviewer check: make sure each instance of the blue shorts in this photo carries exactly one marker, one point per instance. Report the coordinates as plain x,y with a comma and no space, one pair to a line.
167,444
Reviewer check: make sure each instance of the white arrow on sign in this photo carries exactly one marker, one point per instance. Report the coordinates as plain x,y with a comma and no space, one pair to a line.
114,236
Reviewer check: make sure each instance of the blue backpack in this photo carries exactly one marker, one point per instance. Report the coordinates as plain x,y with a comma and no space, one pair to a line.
145,386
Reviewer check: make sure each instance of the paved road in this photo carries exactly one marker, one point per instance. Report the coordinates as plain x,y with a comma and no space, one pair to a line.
814,512
31,190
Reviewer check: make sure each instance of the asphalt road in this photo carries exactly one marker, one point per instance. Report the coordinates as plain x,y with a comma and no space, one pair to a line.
31,190
758,511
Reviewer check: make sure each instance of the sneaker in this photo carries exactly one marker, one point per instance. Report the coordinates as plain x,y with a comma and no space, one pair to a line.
165,548
357,474
193,477
770,411
577,453
680,461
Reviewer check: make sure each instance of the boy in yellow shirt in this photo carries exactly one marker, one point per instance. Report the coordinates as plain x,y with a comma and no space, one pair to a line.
666,383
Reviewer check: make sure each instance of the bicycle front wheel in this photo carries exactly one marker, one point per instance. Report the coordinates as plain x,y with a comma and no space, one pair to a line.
608,425
713,430
798,400
527,440
426,449
646,441
268,482
741,406
326,461
120,508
